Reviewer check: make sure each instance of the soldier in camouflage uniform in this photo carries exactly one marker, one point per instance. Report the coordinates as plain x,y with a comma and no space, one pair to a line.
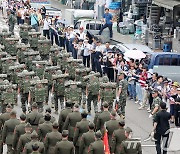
54,54
5,34
31,56
49,71
59,88
8,94
10,45
14,70
73,91
122,93
92,91
21,49
108,92
44,46
33,39
24,29
71,66
24,79
40,92
39,68
62,61
2,55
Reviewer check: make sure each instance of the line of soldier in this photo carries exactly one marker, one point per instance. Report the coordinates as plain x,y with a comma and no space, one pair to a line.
34,71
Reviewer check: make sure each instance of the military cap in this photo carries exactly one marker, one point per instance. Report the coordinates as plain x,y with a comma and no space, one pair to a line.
128,130
34,134
34,104
6,82
76,105
22,45
113,113
28,125
12,39
23,116
65,133
122,121
48,109
105,79
105,104
155,91
35,146
55,124
13,112
55,48
98,134
42,37
91,125
9,106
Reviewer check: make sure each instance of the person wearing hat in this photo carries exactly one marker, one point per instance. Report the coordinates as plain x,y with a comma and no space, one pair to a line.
97,146
25,138
52,138
122,92
172,95
48,110
125,148
19,130
3,118
117,137
34,116
111,126
161,128
86,139
11,21
44,128
64,146
71,121
35,148
8,131
103,117
81,127
156,102
63,114
34,139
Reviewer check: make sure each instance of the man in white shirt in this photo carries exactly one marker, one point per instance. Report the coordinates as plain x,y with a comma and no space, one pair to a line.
82,34
86,53
46,26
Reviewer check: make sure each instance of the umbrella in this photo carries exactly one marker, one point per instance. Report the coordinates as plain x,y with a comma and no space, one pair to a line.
135,54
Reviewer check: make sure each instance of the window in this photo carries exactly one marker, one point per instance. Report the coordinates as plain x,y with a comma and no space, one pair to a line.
77,25
167,61
87,26
161,61
98,26
174,61
92,27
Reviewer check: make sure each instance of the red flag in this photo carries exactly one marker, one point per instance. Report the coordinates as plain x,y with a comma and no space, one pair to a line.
106,143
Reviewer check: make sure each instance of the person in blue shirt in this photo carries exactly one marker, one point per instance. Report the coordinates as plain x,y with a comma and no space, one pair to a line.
108,22
34,20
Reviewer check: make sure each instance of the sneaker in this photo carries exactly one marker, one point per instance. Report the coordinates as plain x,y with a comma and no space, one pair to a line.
140,103
149,111
148,108
136,102
141,108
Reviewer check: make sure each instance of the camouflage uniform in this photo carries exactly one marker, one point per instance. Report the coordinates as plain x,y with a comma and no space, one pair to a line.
54,54
156,103
62,62
8,94
2,55
5,34
44,46
21,49
108,93
59,88
73,91
123,84
24,29
10,45
33,39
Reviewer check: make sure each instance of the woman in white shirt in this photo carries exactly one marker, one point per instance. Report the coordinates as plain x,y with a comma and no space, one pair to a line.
86,53
46,26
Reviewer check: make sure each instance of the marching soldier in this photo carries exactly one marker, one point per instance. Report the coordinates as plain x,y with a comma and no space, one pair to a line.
44,128
55,54
34,117
52,138
71,121
33,39
6,62
25,138
62,62
10,45
8,130
86,139
108,92
21,49
48,111
44,46
34,139
81,127
122,93
117,137
111,126
5,34
24,29
64,146
18,131
125,148
59,88
3,118
97,147
63,115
